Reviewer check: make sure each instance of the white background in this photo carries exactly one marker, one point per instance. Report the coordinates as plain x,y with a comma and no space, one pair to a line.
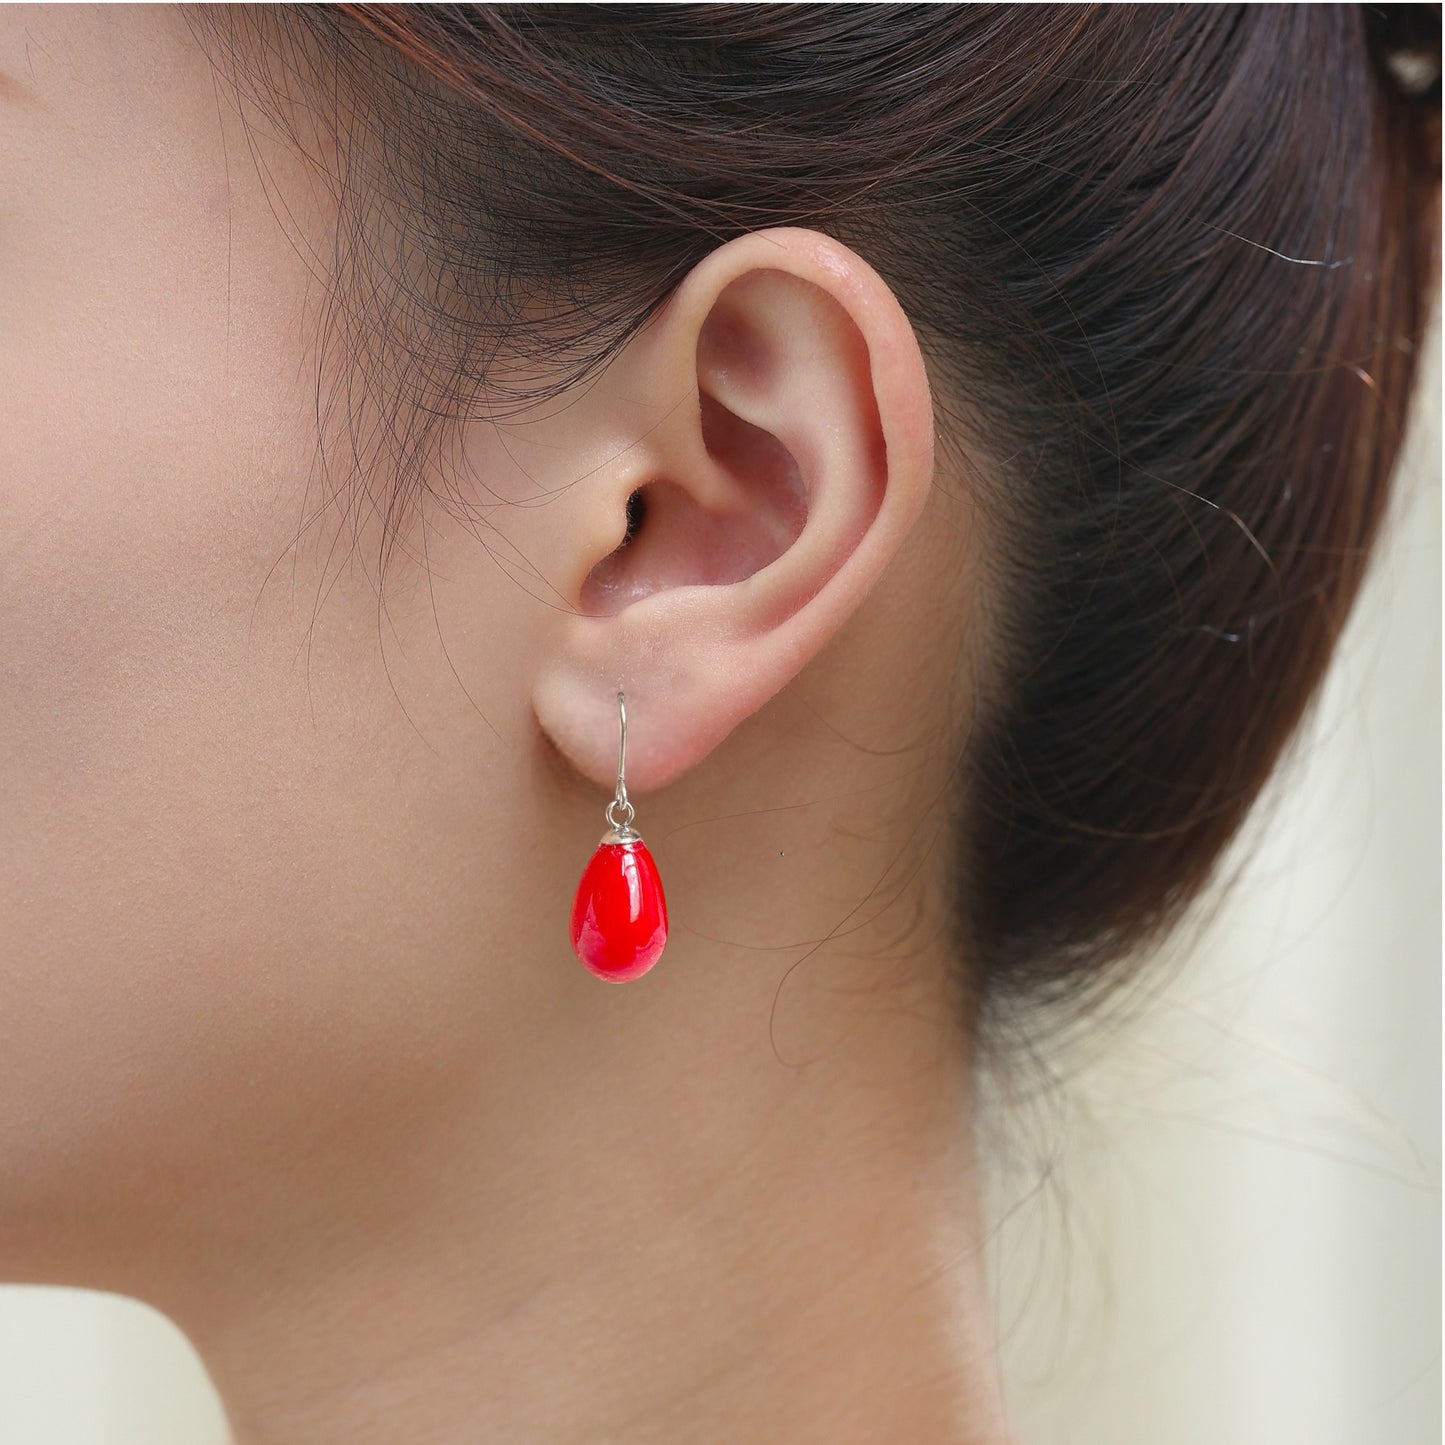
1224,1225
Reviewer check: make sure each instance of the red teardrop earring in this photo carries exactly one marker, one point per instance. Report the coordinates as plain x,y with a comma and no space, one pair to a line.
619,916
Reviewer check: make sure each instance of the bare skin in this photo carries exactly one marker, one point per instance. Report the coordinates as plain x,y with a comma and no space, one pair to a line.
292,1044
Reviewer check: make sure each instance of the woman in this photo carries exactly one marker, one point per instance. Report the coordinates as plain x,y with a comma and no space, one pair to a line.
949,438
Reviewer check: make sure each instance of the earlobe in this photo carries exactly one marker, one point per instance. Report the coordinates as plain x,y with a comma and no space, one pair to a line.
790,456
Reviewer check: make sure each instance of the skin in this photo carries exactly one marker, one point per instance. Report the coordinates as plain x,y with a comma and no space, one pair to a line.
292,1042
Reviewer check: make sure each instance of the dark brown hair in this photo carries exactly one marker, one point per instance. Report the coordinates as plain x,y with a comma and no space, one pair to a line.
1170,268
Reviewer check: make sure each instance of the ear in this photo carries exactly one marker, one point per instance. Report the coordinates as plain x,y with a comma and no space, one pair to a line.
780,450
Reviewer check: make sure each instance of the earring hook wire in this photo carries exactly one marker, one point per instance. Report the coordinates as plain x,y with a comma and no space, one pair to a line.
620,801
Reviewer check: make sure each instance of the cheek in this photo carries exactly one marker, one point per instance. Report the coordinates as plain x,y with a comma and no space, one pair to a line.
187,857
199,891
146,485
244,888
242,879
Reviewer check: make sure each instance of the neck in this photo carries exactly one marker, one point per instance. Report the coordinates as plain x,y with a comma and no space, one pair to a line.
640,1254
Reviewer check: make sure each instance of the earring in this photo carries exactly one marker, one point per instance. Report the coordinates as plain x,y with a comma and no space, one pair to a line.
619,916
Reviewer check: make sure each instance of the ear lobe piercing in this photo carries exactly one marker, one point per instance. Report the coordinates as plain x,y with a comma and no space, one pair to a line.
619,916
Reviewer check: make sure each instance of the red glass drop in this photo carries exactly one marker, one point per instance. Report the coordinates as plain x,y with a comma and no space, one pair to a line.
619,917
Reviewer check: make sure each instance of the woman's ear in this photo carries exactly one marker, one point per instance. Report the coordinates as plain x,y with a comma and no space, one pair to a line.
782,449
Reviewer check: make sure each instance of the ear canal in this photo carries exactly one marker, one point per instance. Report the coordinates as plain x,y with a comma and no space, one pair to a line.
636,506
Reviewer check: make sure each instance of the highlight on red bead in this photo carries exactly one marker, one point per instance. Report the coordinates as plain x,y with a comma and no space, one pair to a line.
619,916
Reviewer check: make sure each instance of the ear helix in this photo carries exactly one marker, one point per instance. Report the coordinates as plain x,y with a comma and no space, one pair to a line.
619,916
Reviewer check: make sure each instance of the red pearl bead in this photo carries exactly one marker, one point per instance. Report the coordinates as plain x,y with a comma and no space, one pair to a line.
619,917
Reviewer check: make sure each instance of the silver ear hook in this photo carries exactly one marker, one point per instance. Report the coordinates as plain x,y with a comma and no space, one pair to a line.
621,830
